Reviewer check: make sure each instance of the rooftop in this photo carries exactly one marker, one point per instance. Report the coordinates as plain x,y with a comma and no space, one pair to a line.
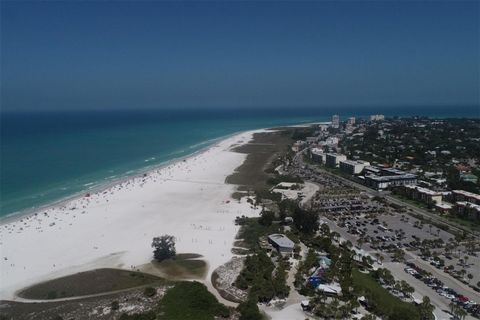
390,178
281,240
467,194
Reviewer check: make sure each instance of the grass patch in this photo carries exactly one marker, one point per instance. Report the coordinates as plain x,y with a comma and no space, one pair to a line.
190,301
262,151
89,282
471,225
380,300
240,251
182,266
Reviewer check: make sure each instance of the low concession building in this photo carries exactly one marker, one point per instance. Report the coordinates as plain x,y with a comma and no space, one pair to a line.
282,243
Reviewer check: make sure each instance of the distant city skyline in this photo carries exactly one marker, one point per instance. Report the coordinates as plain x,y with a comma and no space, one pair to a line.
154,55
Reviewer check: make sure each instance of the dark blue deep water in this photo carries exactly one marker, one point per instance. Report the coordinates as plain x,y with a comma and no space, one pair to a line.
48,156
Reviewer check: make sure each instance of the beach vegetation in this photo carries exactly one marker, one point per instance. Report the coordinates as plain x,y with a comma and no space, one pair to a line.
115,305
305,221
266,218
190,300
252,230
149,291
89,282
256,276
182,266
139,316
164,247
284,178
249,309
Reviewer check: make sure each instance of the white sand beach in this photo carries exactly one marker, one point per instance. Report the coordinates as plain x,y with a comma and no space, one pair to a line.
114,227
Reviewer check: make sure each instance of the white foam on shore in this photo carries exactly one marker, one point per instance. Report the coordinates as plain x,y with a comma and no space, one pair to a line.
114,227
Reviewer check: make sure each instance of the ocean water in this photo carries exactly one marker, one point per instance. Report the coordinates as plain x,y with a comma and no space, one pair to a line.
46,157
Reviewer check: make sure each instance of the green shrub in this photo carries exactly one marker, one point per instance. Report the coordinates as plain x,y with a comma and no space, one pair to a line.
191,301
115,305
249,310
149,292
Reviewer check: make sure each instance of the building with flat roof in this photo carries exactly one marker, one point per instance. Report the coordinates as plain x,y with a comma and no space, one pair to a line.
385,182
318,155
372,170
428,196
467,210
282,243
391,172
333,159
462,195
353,166
335,121
443,207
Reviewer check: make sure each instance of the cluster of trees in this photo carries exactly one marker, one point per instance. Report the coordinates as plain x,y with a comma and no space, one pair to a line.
404,139
283,178
259,278
249,309
334,309
188,300
304,221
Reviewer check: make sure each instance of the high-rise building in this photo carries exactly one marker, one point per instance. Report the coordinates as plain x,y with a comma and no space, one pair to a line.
335,121
351,121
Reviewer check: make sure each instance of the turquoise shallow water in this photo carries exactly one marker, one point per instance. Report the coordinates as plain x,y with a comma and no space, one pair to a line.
46,157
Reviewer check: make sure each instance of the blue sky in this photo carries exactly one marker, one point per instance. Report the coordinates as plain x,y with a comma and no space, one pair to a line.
59,55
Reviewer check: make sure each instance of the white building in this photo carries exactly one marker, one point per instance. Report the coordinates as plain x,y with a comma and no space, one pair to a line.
353,167
331,141
351,121
335,121
385,182
333,159
377,117
318,155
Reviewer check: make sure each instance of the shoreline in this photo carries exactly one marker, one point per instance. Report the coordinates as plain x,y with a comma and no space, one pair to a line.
100,187
114,225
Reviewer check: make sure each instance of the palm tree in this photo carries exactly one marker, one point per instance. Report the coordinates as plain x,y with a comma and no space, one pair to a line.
426,309
470,277
461,313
